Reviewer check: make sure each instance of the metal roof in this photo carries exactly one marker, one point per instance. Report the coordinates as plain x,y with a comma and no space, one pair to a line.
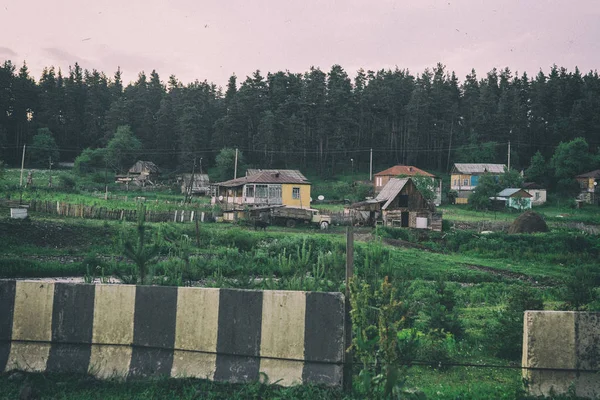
142,166
407,170
293,173
263,177
592,174
508,192
390,191
470,169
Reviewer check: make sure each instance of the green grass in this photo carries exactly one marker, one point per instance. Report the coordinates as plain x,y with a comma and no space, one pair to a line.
551,213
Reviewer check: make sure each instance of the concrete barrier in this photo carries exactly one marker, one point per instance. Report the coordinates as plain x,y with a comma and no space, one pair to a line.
126,331
562,349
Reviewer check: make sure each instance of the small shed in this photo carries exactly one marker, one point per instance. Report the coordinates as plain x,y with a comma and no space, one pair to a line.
142,173
515,198
198,184
400,204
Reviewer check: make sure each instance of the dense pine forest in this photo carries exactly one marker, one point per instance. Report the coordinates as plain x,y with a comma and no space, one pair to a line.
314,120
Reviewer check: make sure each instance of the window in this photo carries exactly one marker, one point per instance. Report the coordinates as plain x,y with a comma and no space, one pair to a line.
261,191
466,182
250,191
456,182
537,195
379,181
296,193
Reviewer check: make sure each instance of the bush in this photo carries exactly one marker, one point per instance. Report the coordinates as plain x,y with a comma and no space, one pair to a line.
66,182
505,333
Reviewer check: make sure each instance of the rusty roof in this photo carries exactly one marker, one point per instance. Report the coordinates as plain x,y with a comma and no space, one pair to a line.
294,173
264,177
407,170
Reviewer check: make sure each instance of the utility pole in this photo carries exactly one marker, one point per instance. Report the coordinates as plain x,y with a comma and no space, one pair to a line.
509,155
188,192
235,167
371,166
22,166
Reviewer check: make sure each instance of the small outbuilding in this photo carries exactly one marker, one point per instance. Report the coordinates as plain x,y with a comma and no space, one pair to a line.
142,173
399,204
196,184
515,198
589,187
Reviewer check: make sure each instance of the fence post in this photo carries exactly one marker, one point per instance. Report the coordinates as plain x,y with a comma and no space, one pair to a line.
348,322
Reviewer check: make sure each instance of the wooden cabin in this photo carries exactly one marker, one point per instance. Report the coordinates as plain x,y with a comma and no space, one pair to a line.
267,187
400,204
465,177
142,173
405,171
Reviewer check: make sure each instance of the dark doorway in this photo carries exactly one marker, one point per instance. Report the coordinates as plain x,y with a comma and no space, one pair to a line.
404,219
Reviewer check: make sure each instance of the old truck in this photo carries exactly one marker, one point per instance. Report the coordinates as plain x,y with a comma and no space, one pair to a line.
290,216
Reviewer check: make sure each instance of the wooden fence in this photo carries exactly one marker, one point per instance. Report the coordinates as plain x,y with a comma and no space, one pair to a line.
94,212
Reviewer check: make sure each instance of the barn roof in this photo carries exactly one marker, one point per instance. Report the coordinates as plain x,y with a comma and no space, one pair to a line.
592,174
294,173
407,170
470,169
264,177
141,166
197,177
390,191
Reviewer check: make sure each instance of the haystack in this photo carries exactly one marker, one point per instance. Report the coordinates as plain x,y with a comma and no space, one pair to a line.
528,222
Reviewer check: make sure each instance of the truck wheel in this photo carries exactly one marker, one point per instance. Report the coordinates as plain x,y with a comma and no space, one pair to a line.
324,225
290,223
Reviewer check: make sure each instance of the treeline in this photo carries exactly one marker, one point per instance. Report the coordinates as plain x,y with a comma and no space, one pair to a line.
315,120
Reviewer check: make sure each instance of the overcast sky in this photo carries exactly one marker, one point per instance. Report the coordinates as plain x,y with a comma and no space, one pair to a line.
199,39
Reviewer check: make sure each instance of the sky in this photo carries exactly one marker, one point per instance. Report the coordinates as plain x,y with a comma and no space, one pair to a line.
211,40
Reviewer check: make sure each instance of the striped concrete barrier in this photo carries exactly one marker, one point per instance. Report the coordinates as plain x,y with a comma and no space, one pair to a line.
129,331
561,353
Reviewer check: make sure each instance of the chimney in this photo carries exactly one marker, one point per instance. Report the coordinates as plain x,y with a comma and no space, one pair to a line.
410,169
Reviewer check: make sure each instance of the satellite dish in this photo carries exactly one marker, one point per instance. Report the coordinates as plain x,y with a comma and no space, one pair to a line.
220,198
321,197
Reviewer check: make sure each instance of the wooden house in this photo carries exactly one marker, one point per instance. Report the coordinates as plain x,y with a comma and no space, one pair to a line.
465,177
538,193
588,184
197,184
405,171
267,187
142,173
516,198
400,204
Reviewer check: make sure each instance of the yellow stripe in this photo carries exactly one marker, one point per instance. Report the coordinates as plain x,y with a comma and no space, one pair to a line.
31,357
282,335
197,321
114,308
110,361
187,364
33,311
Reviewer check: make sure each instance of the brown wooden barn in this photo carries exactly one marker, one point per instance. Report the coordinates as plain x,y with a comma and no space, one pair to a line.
399,204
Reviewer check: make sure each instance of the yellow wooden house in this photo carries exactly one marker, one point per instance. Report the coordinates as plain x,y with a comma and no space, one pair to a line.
263,188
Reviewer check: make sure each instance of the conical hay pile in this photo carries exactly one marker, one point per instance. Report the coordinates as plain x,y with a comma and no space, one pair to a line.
528,222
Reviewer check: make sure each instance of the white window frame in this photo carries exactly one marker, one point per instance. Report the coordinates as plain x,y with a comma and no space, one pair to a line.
296,193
